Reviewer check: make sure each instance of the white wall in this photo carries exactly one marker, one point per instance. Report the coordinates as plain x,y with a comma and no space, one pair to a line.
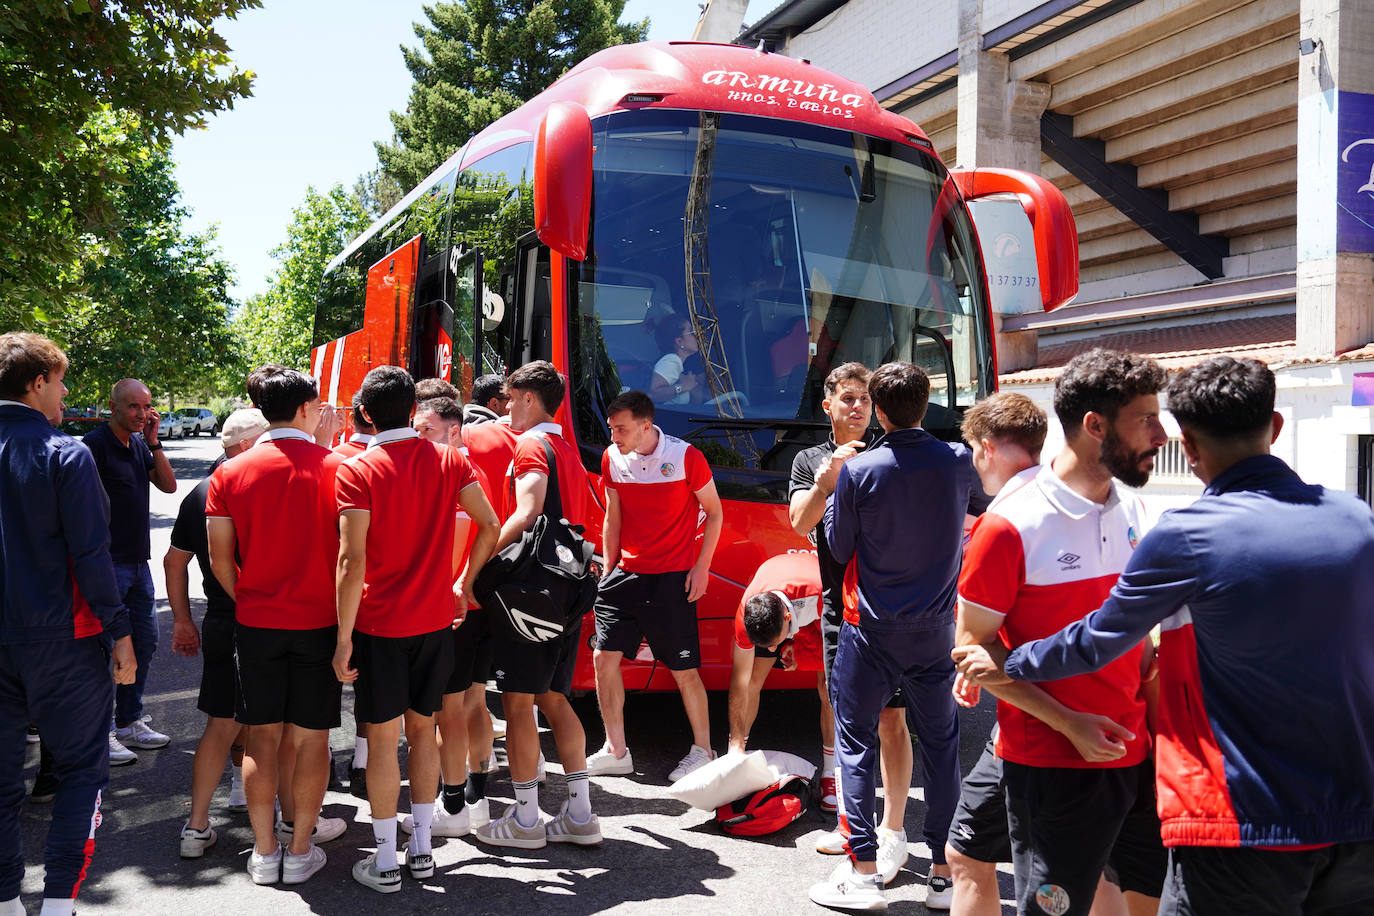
1000,12
877,41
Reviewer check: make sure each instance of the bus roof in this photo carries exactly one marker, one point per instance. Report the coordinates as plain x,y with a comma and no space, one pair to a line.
682,75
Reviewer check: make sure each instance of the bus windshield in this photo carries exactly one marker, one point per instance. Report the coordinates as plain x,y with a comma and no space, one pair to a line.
736,260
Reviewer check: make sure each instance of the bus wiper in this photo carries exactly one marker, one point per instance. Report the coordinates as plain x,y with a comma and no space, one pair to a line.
753,424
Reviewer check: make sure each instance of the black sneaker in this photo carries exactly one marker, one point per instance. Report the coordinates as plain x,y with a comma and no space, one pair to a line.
44,788
357,782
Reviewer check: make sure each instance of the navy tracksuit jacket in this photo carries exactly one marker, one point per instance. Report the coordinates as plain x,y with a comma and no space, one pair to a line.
896,519
54,657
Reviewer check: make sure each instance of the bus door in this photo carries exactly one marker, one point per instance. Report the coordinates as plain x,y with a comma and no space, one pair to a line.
533,338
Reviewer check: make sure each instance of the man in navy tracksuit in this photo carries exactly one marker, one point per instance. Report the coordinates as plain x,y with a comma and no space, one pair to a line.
896,519
55,641
1264,590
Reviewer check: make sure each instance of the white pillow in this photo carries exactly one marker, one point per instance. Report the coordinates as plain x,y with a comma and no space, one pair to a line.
785,764
723,780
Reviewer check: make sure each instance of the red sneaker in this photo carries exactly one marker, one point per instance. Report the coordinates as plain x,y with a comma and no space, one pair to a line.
829,792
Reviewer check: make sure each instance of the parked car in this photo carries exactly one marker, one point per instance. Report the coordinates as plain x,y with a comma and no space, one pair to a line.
171,426
197,420
79,426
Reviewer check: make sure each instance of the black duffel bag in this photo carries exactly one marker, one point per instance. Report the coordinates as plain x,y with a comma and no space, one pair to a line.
545,581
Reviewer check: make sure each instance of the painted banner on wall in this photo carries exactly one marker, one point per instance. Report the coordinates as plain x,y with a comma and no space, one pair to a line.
1355,172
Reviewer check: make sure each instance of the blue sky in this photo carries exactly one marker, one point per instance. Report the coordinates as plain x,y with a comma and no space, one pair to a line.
328,73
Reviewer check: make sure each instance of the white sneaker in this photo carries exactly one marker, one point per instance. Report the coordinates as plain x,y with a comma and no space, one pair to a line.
238,799
696,758
366,873
479,813
265,869
120,756
326,829
892,853
605,763
444,824
298,869
832,843
540,774
846,889
498,727
141,735
195,842
939,893
421,864
492,765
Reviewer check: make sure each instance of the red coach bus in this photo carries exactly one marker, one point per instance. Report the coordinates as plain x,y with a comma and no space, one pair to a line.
775,206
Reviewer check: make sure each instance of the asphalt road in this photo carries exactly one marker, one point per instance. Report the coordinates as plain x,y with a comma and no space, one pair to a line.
657,851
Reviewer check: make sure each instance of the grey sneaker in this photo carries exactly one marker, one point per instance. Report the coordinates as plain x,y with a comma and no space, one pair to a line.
507,831
367,874
142,736
265,869
120,756
326,829
605,763
298,869
563,829
696,758
195,842
421,864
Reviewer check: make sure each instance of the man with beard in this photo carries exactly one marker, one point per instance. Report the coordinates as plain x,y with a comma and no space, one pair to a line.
1040,559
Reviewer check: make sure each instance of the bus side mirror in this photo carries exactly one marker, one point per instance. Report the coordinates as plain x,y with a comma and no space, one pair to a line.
563,179
1053,229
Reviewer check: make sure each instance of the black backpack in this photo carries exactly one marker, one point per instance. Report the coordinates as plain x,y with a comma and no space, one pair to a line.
546,580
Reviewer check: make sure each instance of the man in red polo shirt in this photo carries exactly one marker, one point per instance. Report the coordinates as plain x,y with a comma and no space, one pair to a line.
275,503
778,626
399,557
656,488
530,673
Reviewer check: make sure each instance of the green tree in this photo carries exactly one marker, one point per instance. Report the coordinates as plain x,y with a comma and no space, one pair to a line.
156,300
83,84
480,59
275,326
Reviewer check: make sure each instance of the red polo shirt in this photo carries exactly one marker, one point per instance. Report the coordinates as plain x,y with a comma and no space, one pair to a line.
574,488
491,446
659,512
280,496
410,487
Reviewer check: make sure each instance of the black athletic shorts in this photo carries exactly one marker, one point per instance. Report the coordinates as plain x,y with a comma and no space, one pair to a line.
1068,824
1329,881
521,666
399,673
287,676
218,680
979,828
652,606
471,652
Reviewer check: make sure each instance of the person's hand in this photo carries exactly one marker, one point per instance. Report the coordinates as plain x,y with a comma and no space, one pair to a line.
979,666
343,655
151,420
787,656
688,381
830,466
327,426
966,694
462,600
125,665
1096,738
697,577
185,638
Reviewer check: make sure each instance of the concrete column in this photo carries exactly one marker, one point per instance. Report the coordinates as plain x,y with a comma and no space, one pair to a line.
720,20
998,126
1335,177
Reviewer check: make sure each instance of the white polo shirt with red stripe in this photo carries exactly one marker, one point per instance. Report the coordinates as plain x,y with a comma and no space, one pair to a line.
1043,557
659,512
410,486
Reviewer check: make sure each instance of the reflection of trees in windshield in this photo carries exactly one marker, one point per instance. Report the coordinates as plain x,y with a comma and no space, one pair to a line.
823,248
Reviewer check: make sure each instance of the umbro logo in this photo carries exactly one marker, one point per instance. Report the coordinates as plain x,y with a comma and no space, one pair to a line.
1068,561
685,653
500,675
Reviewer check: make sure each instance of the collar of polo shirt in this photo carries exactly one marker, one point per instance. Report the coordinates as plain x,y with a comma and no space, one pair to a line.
399,434
1069,501
545,428
658,449
283,432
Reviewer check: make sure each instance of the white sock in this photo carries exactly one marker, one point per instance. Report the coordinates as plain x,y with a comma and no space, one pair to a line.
579,796
235,775
56,906
384,833
827,758
526,803
423,815
12,908
359,753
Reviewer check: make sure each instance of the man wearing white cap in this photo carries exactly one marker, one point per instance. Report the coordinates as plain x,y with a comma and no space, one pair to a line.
215,640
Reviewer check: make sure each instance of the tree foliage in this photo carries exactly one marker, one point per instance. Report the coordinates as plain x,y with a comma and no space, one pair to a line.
275,326
155,303
480,59
84,84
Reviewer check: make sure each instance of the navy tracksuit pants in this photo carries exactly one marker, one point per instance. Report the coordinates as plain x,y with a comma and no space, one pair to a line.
65,687
869,668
